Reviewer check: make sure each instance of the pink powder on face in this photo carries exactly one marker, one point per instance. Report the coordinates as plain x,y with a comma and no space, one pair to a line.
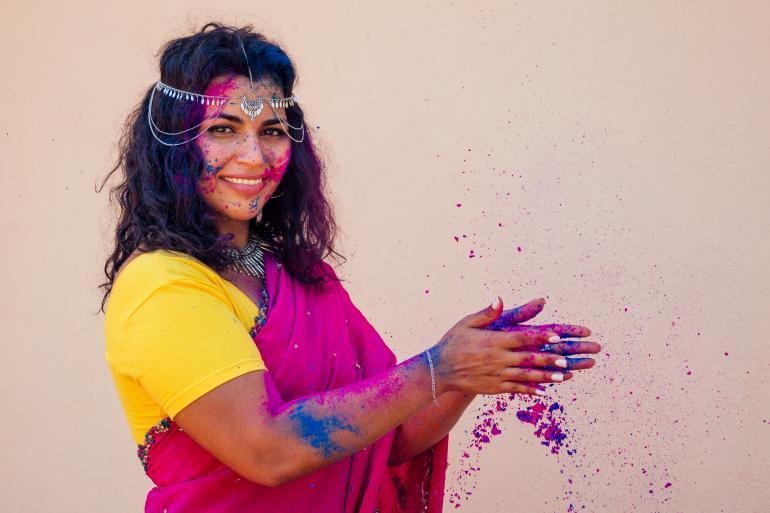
220,88
208,184
278,167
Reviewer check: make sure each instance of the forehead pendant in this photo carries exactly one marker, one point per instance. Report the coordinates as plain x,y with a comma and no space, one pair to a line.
251,108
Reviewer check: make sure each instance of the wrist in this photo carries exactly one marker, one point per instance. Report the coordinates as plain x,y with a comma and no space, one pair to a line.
433,384
442,367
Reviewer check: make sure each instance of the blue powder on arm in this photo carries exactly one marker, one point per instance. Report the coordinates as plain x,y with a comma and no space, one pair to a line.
317,430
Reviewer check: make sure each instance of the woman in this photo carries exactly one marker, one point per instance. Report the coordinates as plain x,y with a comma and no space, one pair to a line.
249,379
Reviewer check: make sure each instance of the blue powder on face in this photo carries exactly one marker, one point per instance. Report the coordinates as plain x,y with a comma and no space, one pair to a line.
211,169
317,431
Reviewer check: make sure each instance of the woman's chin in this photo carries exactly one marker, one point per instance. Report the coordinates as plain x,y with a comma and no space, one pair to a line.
239,214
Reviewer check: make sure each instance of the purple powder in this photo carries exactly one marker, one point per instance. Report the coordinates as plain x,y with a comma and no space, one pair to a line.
547,418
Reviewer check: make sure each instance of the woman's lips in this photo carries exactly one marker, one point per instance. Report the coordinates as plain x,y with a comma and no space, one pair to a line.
247,185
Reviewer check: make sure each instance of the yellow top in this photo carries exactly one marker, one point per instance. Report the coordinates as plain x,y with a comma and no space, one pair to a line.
174,331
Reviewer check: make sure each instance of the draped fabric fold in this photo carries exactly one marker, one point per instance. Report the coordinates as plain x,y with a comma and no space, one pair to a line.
312,341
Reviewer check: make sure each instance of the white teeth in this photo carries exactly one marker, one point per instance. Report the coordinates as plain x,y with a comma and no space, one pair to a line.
242,180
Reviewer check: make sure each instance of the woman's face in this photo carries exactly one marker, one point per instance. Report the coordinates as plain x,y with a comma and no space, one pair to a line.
245,159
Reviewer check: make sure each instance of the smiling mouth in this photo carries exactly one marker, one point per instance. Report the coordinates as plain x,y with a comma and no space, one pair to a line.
242,181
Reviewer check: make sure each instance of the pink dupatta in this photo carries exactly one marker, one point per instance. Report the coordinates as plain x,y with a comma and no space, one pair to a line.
312,341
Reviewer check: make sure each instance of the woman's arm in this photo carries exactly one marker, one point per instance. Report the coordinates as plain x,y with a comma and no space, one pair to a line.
233,421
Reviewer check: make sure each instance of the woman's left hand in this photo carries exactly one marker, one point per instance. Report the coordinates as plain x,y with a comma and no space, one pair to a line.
510,320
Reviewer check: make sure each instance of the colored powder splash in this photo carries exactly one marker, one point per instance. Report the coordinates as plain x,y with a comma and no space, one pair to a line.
550,427
554,430
548,419
615,447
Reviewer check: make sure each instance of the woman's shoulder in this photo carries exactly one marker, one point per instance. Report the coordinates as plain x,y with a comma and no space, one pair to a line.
144,273
164,265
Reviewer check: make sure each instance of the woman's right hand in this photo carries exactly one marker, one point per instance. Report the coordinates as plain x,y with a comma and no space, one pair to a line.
472,359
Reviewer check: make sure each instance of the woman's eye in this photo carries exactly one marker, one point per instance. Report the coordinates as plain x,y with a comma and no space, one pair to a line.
221,129
274,132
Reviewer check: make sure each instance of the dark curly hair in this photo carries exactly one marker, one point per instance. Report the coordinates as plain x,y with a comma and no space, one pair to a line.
160,206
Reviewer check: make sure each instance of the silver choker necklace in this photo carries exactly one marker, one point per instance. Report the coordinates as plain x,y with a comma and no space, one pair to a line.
250,260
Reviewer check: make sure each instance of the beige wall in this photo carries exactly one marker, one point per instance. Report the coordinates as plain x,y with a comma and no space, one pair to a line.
624,146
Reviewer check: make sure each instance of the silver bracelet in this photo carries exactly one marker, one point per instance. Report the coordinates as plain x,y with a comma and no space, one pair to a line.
432,378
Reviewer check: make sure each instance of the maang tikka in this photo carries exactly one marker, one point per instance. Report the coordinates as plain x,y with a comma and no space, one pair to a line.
251,106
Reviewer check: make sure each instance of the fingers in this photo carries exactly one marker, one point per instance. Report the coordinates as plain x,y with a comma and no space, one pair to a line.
532,356
580,363
565,330
484,317
512,387
548,361
573,364
536,359
570,347
518,339
528,375
519,314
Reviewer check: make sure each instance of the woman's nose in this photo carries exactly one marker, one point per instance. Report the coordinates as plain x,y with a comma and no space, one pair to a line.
250,152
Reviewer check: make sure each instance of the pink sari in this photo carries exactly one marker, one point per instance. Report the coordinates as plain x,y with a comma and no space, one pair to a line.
311,342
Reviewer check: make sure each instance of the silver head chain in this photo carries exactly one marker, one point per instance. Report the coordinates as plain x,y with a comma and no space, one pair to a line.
251,105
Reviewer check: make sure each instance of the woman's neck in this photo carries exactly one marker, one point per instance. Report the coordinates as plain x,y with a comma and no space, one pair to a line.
239,229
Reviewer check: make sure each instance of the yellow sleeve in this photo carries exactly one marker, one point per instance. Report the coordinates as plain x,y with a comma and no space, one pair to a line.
183,340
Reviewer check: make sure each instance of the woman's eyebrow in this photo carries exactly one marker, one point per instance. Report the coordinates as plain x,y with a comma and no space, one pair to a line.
229,117
274,121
